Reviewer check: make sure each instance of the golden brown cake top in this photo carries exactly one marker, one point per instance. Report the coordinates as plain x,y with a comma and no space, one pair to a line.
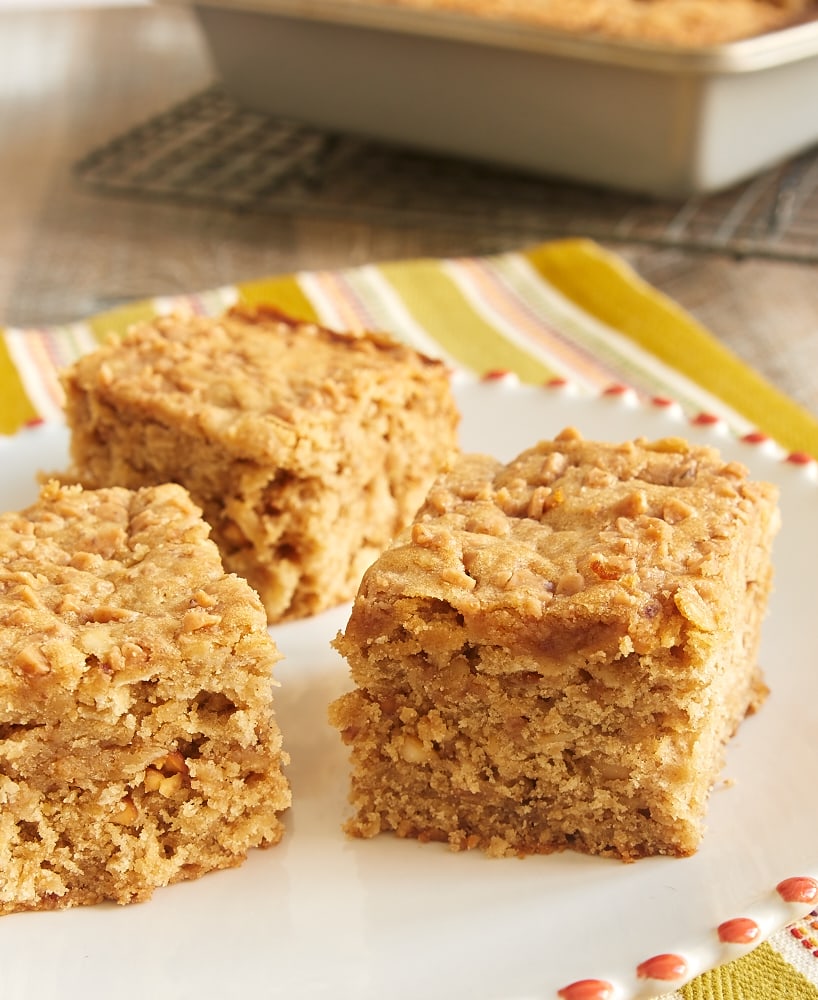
581,531
253,378
102,588
685,23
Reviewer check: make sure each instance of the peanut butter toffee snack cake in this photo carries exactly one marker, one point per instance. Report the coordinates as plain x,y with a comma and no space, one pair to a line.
306,449
557,650
138,745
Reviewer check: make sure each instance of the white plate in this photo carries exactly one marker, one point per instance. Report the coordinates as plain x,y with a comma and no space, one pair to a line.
323,916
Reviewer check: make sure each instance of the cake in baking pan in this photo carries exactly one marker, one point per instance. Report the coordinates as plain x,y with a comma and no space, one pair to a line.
685,23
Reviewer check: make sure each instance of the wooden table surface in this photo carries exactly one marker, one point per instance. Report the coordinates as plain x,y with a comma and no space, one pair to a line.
73,79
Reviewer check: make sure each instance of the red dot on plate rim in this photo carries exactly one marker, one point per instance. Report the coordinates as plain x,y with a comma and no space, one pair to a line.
800,889
662,401
706,419
617,389
799,458
755,437
587,989
664,967
496,374
739,930
556,383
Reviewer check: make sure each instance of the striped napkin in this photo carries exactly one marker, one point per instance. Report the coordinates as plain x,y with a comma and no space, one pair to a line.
562,310
565,310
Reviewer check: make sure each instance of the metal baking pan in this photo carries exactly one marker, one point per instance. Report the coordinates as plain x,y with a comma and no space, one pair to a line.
653,119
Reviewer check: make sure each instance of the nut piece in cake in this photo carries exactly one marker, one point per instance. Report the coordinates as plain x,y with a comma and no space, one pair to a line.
306,449
138,744
556,652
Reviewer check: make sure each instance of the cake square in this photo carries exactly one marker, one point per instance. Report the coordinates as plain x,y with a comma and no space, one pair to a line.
557,650
138,743
306,449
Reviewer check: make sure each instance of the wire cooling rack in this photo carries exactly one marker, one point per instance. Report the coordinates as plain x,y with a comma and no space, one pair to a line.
210,150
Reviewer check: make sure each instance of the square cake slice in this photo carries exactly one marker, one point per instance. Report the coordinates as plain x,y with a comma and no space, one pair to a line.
138,744
306,449
556,652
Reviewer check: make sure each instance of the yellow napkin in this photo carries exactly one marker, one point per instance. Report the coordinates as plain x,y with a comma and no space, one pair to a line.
562,310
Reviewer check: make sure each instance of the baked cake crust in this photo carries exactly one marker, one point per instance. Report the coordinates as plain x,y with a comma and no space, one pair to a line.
683,23
556,652
138,745
307,449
